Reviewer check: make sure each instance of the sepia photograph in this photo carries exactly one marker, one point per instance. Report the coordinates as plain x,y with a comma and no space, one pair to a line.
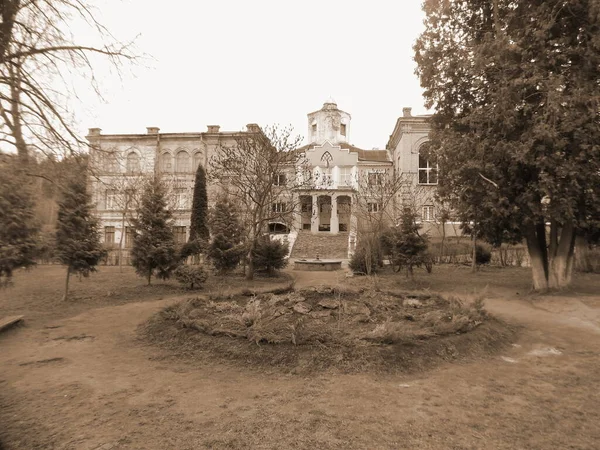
299,225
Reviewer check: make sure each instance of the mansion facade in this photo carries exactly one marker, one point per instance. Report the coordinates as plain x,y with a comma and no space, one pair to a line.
347,183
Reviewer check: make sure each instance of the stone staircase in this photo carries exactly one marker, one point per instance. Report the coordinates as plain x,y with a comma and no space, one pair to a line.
327,245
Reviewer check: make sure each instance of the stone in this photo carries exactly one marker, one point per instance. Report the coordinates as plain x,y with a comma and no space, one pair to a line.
324,314
356,309
329,303
413,302
302,308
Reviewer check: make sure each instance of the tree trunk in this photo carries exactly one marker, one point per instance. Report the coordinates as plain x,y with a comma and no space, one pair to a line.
149,277
474,262
250,257
581,260
561,263
443,242
535,236
120,252
66,296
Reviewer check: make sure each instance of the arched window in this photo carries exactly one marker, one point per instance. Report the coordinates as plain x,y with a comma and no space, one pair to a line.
166,162
183,162
133,162
428,167
197,159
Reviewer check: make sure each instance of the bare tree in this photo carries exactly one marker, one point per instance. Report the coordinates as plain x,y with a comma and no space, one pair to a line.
260,171
378,202
125,194
38,55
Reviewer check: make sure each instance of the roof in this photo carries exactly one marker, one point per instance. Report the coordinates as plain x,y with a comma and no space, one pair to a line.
363,155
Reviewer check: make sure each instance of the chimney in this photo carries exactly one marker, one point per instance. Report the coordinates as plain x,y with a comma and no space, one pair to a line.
253,128
213,128
152,130
94,131
406,112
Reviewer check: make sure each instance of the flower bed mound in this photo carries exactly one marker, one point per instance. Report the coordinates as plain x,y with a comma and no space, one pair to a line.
324,327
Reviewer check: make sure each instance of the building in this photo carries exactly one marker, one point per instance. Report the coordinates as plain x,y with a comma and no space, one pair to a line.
349,187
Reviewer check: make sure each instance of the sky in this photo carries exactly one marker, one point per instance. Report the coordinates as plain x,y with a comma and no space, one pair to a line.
231,63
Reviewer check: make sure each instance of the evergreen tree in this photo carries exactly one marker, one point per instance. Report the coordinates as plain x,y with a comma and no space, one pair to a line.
17,228
153,251
199,234
77,235
198,225
226,247
404,245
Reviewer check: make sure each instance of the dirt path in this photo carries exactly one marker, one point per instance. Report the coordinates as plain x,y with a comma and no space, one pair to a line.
86,383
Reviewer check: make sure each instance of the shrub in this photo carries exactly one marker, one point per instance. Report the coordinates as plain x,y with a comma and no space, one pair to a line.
224,253
482,255
359,263
270,255
192,276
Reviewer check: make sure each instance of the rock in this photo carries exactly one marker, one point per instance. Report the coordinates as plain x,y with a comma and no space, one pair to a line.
325,314
324,290
294,298
356,309
276,300
302,308
413,302
329,303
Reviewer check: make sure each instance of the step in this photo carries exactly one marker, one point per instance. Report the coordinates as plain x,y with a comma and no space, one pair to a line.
9,321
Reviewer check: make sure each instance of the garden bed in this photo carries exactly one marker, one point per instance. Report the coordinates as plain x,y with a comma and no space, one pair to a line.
319,328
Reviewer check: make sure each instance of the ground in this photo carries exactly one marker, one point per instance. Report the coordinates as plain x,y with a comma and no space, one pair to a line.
77,376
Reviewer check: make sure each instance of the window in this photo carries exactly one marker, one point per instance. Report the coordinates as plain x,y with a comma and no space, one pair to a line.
325,176
109,235
129,236
180,198
375,178
306,207
183,162
111,199
374,207
428,213
280,179
278,207
346,176
166,162
133,162
111,163
314,129
428,168
343,129
179,235
197,159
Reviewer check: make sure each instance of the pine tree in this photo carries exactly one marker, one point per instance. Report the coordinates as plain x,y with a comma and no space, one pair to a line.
17,228
198,225
226,248
406,247
199,234
154,251
77,235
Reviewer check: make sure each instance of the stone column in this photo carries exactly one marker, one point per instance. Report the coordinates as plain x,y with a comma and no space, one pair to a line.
335,221
315,219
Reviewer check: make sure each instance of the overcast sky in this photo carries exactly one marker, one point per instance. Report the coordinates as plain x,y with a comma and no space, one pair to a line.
231,63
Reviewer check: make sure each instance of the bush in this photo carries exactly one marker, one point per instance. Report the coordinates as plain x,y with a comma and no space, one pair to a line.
192,276
270,255
224,253
359,264
482,255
